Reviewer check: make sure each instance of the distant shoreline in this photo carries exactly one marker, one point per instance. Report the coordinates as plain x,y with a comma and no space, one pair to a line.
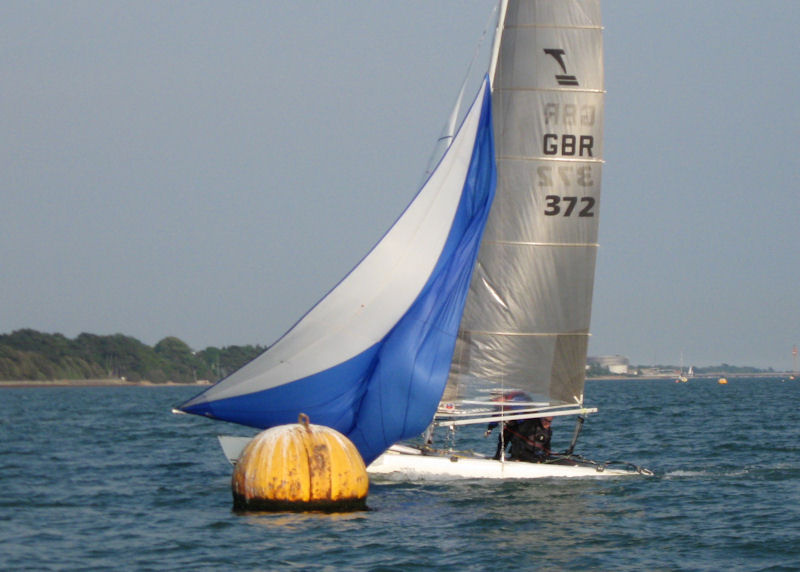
97,383
763,375
202,383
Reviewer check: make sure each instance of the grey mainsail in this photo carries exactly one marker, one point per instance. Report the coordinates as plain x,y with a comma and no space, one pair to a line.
526,321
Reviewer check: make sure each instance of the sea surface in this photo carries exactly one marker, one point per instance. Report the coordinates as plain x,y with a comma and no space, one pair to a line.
101,478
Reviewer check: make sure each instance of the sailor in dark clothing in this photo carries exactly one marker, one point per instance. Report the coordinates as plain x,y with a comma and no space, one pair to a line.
530,439
511,401
504,439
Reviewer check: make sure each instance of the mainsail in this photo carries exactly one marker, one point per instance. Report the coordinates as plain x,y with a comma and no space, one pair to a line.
526,321
453,293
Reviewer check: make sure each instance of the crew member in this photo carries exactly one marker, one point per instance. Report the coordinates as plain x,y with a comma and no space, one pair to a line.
503,439
510,401
530,439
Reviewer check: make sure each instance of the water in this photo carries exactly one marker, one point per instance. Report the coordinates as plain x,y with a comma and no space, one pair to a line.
102,478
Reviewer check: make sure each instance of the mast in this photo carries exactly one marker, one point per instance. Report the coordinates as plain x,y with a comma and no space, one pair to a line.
498,34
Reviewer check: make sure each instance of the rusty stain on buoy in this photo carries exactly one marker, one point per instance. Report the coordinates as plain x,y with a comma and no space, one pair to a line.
300,467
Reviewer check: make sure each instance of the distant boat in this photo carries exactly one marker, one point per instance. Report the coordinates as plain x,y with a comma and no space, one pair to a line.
683,378
482,286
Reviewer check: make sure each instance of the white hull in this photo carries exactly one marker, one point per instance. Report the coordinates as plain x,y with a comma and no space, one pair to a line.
232,447
407,463
403,463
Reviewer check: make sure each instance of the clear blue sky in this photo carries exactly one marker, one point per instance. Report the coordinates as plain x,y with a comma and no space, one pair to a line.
209,170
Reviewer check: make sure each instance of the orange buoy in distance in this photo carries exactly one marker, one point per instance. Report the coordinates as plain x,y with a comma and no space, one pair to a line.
722,381
300,467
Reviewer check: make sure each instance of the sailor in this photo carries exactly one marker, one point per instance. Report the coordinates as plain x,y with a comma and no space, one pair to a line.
503,439
506,404
530,439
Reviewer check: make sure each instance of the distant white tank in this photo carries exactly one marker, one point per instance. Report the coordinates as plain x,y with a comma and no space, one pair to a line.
615,364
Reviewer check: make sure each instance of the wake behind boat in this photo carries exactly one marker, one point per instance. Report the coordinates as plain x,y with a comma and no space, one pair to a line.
481,288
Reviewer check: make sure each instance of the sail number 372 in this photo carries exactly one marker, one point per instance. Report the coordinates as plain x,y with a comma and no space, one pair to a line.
566,206
567,176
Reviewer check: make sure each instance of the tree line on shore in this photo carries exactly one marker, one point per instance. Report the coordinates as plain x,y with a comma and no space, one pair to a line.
29,355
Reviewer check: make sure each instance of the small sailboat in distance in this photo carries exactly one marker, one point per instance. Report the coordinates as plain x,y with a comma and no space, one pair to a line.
684,377
482,286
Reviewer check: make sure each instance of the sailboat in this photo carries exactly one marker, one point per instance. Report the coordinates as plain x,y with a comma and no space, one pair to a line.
482,286
684,377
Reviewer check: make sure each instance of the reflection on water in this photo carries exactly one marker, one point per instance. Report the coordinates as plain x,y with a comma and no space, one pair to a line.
299,520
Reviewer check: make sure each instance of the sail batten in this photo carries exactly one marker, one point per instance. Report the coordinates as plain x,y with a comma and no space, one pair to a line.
550,26
561,244
531,158
542,334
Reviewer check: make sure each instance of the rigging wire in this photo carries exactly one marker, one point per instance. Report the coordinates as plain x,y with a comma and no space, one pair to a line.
449,128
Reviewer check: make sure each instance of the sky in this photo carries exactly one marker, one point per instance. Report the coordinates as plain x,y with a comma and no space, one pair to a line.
210,170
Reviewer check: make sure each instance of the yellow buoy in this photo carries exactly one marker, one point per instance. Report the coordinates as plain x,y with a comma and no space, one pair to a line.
722,381
300,467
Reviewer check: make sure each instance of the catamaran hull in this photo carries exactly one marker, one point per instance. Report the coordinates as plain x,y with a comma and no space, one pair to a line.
403,463
407,463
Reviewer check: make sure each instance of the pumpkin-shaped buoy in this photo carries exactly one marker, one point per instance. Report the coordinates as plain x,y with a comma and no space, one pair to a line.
300,467
722,381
